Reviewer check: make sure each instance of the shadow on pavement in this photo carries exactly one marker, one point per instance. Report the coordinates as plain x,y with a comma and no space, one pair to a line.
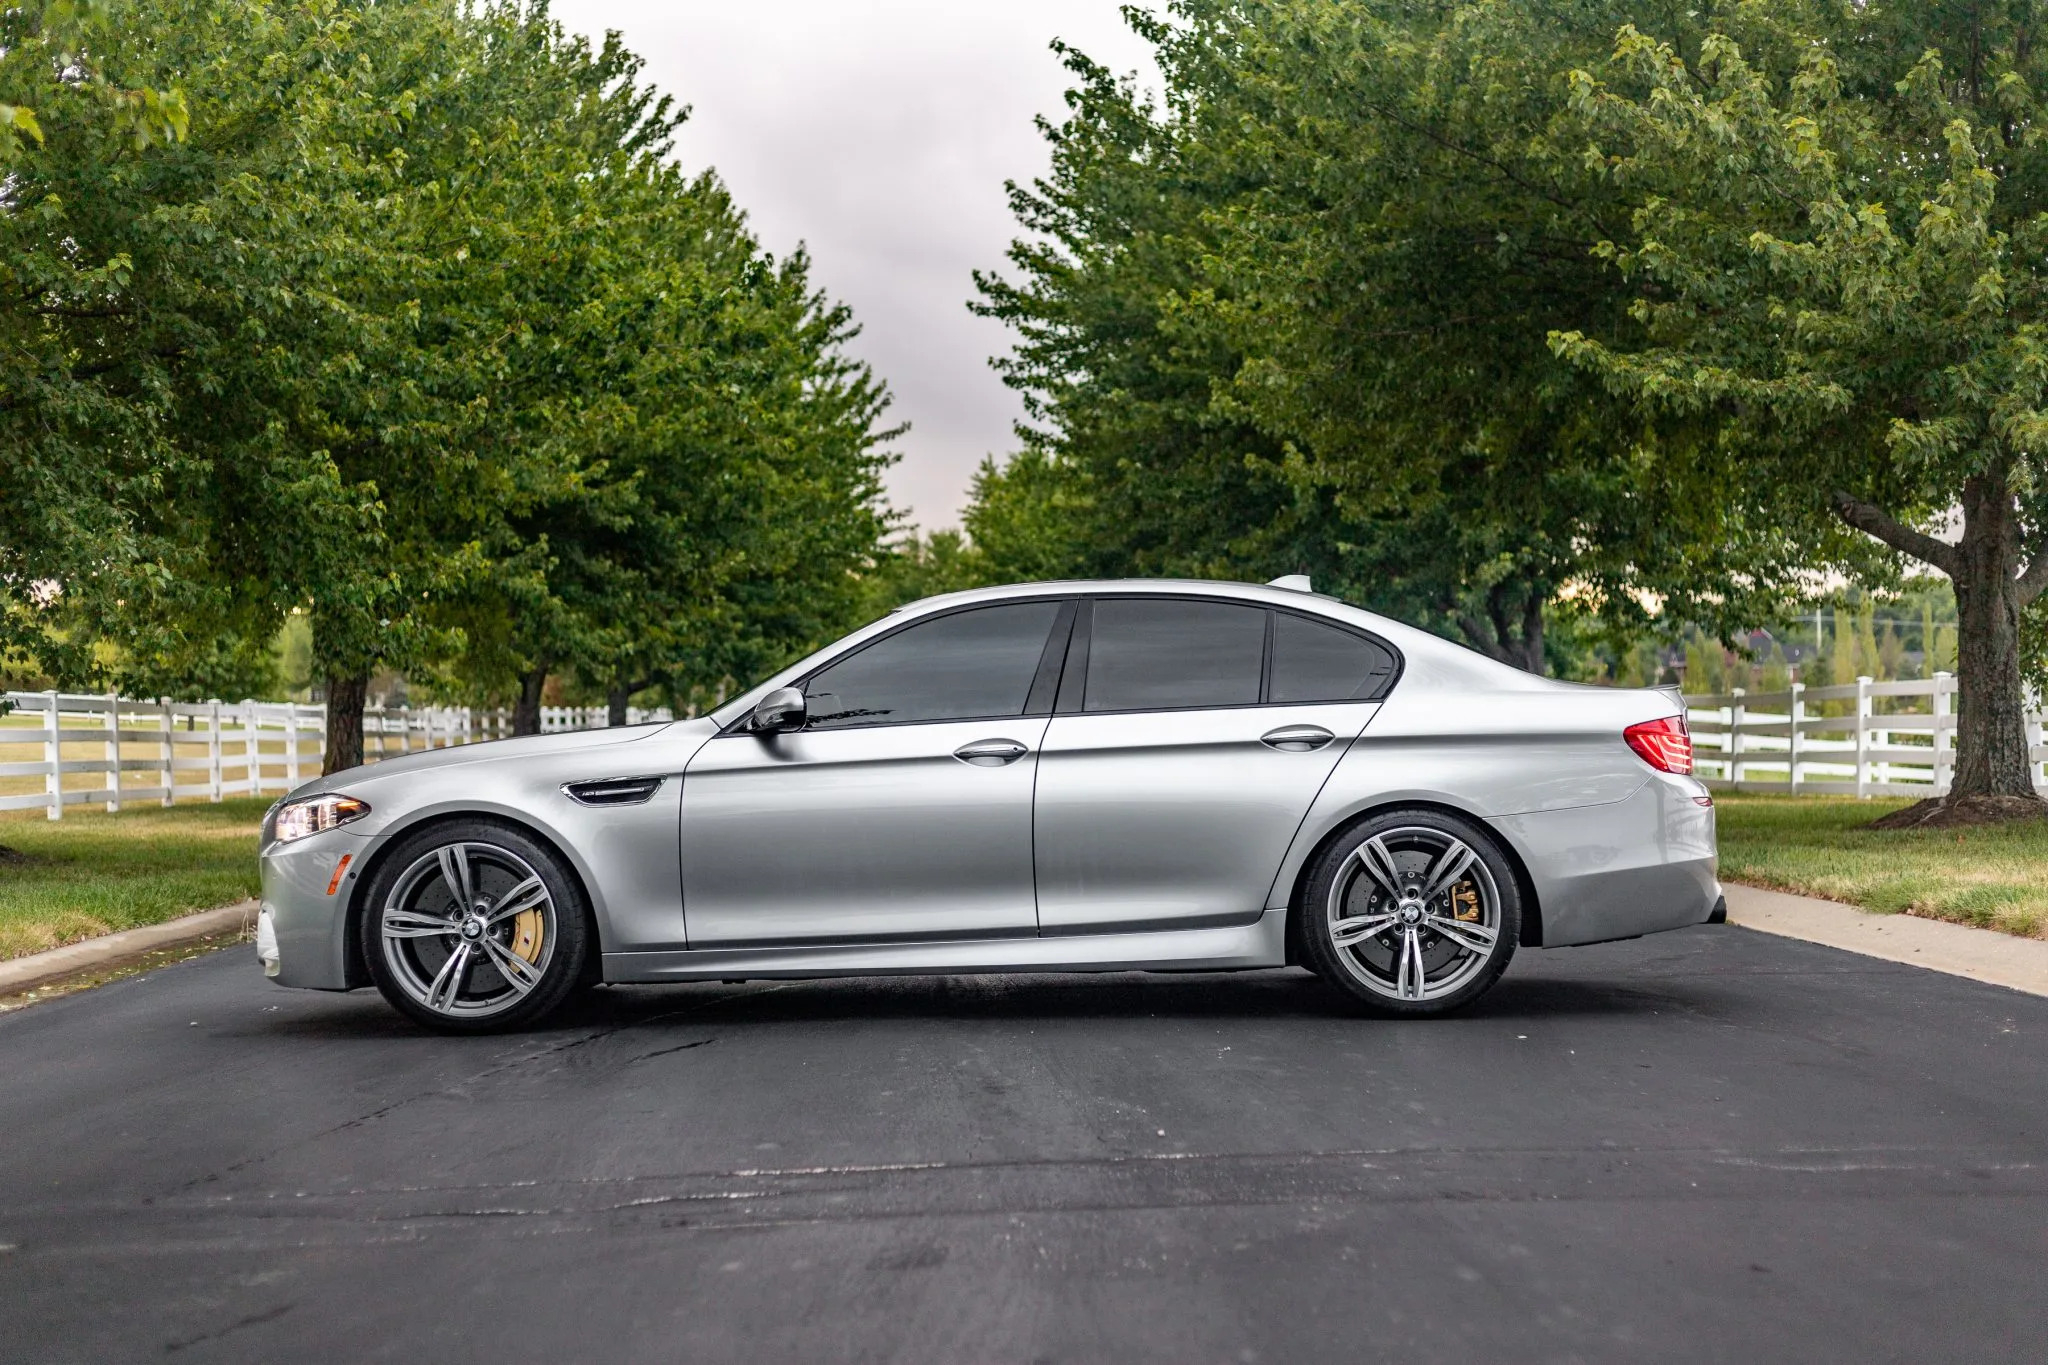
1289,994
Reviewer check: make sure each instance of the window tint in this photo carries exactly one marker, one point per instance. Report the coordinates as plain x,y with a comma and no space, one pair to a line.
1315,662
1151,655
968,665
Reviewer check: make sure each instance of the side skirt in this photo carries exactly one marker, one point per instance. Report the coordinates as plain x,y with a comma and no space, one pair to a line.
1234,948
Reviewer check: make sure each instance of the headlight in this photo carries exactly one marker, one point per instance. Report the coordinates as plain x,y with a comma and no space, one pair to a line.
312,814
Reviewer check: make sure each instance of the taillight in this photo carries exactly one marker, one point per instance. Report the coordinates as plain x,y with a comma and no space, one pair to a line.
1665,745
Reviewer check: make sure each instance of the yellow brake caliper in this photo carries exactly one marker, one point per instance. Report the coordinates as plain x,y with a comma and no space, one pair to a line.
1465,902
527,930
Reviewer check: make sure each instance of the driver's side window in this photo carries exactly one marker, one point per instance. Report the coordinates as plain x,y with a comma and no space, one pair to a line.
968,665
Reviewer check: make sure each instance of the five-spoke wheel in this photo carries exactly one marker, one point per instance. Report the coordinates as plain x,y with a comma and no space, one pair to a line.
1412,912
474,927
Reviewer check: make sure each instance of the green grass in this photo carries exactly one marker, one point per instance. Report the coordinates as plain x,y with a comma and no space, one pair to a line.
93,873
1994,876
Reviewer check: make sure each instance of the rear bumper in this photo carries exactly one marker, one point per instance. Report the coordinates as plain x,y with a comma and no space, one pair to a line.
1632,867
307,942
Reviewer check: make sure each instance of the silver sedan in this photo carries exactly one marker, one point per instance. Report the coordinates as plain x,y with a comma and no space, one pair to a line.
1101,776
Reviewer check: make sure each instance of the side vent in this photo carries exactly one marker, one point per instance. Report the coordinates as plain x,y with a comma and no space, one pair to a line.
613,791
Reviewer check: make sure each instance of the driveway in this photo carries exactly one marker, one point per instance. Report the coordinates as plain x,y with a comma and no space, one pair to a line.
1712,1145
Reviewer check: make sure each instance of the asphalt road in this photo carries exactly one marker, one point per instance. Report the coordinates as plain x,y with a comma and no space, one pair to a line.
1705,1146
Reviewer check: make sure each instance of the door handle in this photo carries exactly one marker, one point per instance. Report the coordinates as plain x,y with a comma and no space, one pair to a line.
1296,739
991,753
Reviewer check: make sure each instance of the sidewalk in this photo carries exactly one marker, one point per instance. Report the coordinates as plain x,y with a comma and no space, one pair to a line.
1980,954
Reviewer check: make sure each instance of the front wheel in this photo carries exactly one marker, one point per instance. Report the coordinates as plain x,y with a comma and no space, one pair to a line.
474,927
1412,913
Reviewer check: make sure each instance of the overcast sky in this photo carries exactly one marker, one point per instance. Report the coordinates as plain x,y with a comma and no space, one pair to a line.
879,133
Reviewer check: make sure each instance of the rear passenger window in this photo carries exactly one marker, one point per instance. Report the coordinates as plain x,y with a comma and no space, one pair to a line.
1158,655
1315,662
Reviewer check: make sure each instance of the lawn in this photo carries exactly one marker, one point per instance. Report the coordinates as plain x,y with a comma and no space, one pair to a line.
93,873
1993,876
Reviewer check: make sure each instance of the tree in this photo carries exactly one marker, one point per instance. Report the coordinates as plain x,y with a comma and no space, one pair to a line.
1836,243
78,436
417,335
1295,319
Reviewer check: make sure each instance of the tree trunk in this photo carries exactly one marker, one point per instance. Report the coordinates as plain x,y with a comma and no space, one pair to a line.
618,699
345,697
526,715
1502,636
1991,591
1991,728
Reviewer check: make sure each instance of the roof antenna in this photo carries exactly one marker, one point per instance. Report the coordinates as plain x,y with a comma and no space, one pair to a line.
1294,582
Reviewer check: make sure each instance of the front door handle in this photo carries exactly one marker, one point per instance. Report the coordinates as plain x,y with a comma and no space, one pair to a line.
1296,739
991,753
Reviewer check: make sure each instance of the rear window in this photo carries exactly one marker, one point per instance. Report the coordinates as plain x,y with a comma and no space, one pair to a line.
1317,662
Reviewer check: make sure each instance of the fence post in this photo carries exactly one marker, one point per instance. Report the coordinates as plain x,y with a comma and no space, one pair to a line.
1942,688
291,745
2033,728
53,756
1863,736
252,775
1796,742
1738,715
113,783
213,754
167,775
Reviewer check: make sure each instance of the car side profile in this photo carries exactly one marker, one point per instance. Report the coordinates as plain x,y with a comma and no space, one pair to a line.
1085,776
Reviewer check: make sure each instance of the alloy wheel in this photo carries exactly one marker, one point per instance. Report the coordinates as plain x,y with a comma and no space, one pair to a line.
1414,914
468,930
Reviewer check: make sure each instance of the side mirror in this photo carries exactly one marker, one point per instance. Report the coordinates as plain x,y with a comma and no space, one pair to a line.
780,712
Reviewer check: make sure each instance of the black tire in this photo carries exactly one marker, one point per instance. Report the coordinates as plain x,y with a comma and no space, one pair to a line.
412,888
1459,957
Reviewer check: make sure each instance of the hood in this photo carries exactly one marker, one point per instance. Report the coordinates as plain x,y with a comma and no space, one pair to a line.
483,751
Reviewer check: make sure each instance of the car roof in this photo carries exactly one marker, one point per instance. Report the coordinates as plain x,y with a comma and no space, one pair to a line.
1427,660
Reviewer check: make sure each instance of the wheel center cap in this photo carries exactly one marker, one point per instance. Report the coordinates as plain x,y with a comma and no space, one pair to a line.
472,928
1411,912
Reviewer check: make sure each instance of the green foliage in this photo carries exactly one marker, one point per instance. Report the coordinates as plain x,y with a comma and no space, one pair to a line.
1835,235
1294,319
51,58
416,331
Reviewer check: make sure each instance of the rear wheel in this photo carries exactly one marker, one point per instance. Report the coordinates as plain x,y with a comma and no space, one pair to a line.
475,927
1412,913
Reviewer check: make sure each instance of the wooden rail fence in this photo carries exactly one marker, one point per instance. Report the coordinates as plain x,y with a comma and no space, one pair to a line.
111,750
1865,738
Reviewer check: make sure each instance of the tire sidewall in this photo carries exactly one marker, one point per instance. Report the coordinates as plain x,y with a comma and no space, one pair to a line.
567,966
1332,964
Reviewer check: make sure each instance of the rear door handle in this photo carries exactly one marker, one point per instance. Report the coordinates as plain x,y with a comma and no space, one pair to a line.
1296,739
991,753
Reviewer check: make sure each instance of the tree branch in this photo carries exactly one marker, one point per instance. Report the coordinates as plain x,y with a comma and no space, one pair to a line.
1476,632
1881,525
2035,579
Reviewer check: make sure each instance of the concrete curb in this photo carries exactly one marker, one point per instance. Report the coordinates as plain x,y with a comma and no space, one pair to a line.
1980,954
26,973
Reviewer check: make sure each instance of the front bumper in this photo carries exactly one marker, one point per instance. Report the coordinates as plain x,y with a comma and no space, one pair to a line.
305,909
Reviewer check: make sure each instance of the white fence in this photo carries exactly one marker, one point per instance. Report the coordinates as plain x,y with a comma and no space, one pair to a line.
64,749
1885,738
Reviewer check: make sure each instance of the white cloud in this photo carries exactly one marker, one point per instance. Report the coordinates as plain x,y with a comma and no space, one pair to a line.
880,135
